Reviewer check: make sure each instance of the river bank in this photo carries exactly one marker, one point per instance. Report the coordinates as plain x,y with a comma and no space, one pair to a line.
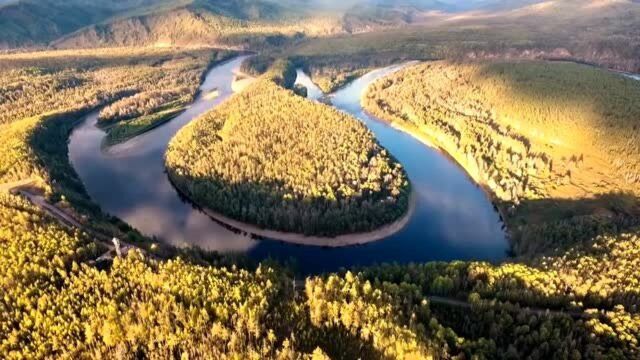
450,219
345,240
473,173
545,199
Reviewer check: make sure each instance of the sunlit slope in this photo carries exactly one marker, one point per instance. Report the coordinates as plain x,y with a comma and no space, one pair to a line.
234,23
82,23
530,131
604,33
271,158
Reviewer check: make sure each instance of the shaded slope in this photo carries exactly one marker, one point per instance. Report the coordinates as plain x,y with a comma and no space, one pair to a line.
32,22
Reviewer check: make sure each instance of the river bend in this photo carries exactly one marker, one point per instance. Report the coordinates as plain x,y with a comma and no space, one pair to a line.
453,218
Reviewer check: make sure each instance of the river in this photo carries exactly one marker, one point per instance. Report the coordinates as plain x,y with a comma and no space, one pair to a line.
453,218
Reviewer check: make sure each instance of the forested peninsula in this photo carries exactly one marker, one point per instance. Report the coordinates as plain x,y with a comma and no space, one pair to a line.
273,159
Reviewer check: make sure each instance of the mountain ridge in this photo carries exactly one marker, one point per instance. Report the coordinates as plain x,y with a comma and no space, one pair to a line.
33,23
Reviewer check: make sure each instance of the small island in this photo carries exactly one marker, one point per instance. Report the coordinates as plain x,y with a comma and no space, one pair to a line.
274,164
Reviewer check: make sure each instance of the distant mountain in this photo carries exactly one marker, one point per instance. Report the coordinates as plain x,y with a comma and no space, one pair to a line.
88,23
30,22
37,22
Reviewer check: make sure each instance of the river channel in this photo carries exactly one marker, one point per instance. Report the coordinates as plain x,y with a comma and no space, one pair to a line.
453,217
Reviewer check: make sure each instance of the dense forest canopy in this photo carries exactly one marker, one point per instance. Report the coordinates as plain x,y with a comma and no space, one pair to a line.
555,144
552,156
41,88
56,304
271,158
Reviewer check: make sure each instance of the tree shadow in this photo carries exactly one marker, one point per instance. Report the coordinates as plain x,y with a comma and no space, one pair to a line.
571,108
269,205
554,226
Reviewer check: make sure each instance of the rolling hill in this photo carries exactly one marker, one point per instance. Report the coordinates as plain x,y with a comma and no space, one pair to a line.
74,23
36,22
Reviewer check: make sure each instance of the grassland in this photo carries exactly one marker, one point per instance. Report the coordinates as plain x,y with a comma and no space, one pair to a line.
563,164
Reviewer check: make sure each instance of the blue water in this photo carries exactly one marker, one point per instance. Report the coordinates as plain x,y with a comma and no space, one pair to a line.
453,218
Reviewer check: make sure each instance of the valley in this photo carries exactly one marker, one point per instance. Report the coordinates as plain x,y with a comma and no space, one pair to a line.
367,179
128,180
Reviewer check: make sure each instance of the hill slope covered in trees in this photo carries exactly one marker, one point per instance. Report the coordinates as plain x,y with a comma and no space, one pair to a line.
562,163
31,22
603,33
57,303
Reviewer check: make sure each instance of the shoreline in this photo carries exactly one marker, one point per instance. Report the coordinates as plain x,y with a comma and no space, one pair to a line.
345,240
432,143
475,177
473,174
108,142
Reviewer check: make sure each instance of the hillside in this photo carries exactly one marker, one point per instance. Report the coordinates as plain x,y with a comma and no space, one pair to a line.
562,164
236,23
603,33
36,22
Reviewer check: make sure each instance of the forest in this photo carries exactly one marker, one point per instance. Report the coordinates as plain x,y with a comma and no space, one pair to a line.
550,156
153,87
57,304
37,119
561,165
271,158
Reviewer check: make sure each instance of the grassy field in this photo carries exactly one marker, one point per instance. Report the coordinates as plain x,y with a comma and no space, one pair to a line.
557,159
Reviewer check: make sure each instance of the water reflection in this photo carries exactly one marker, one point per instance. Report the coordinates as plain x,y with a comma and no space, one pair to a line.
445,194
129,180
453,218
313,92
